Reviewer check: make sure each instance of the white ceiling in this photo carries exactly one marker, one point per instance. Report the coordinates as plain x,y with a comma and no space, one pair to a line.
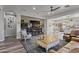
28,10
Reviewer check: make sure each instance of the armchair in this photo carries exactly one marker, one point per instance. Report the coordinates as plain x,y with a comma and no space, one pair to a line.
68,37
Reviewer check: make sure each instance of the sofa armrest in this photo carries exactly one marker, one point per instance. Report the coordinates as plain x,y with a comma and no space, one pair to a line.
75,39
52,51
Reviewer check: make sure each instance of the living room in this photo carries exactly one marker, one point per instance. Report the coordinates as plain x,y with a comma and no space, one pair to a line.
40,28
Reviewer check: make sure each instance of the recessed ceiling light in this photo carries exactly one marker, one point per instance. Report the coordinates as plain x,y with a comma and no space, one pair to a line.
48,13
34,8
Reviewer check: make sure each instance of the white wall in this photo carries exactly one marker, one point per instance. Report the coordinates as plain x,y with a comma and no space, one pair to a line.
74,17
45,27
18,24
1,24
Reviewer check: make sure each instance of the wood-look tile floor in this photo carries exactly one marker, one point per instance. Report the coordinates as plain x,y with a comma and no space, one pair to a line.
11,45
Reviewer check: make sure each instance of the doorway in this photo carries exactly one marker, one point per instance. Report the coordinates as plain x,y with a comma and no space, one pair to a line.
10,25
35,27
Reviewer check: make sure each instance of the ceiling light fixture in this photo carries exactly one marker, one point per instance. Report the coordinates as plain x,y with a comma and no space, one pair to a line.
34,8
48,13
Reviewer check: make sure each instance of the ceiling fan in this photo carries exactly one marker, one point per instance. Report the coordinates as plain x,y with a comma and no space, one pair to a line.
51,9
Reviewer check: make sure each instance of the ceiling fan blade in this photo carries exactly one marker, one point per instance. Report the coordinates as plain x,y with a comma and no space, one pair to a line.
55,9
67,6
44,11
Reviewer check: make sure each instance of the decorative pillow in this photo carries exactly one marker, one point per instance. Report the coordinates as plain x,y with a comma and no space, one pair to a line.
77,32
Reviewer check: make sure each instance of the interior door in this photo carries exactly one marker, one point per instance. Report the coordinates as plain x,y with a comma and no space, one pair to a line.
10,25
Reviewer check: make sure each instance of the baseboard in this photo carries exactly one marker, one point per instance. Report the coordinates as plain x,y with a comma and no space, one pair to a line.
2,40
10,36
